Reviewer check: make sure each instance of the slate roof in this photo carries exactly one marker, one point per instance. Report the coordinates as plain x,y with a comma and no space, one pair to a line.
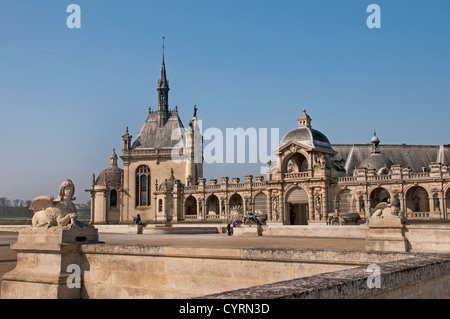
151,136
413,156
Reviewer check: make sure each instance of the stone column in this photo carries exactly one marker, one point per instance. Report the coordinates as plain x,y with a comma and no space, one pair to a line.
175,205
431,205
244,204
105,207
311,204
401,198
366,198
282,209
183,207
325,204
442,204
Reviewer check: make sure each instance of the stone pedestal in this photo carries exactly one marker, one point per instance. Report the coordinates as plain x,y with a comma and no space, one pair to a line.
43,260
248,230
386,234
135,229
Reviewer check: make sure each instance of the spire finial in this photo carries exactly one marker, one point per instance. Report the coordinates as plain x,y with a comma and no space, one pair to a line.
375,141
163,46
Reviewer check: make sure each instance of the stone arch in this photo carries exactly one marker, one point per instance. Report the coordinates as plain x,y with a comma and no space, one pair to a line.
260,202
417,200
298,160
212,205
190,206
297,194
297,206
236,203
379,195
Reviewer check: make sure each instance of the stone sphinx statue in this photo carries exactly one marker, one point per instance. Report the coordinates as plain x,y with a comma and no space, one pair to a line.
49,212
389,211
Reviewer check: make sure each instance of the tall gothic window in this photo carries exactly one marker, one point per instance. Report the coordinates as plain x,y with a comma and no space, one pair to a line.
143,179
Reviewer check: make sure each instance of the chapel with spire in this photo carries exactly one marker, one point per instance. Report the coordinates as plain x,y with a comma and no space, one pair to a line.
163,155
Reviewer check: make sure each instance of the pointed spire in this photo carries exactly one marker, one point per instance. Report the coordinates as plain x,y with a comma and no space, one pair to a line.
163,94
163,82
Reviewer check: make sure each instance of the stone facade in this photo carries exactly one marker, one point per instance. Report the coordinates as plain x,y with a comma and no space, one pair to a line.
311,179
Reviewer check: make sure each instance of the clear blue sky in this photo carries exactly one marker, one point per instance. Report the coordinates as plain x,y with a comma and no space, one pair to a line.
66,95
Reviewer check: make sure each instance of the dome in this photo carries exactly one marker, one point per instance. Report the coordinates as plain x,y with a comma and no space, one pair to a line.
306,135
111,174
375,139
376,161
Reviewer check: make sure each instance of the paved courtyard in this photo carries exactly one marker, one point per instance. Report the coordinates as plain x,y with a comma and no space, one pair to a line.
8,257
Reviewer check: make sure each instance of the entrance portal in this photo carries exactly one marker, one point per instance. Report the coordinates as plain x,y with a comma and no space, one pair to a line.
297,206
298,214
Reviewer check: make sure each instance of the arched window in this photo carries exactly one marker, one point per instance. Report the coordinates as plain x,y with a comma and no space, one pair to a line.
160,205
143,178
113,198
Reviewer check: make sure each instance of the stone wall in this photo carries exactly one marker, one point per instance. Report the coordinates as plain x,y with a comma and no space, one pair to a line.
422,276
325,231
138,271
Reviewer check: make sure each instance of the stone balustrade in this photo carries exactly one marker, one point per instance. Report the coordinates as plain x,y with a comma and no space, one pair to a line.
235,185
296,175
410,176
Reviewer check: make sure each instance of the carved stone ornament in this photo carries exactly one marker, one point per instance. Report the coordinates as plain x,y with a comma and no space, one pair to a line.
49,212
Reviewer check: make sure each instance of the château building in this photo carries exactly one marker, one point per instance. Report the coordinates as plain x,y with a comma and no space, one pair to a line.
311,179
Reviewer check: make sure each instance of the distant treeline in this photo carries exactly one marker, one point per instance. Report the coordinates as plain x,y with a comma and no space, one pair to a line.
15,208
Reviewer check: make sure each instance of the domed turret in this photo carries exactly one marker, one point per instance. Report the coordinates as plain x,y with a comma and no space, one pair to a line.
112,174
376,160
306,135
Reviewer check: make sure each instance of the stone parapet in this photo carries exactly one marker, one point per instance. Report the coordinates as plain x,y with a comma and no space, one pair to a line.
397,279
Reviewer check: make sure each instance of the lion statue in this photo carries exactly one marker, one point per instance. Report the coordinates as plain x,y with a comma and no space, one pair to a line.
49,212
